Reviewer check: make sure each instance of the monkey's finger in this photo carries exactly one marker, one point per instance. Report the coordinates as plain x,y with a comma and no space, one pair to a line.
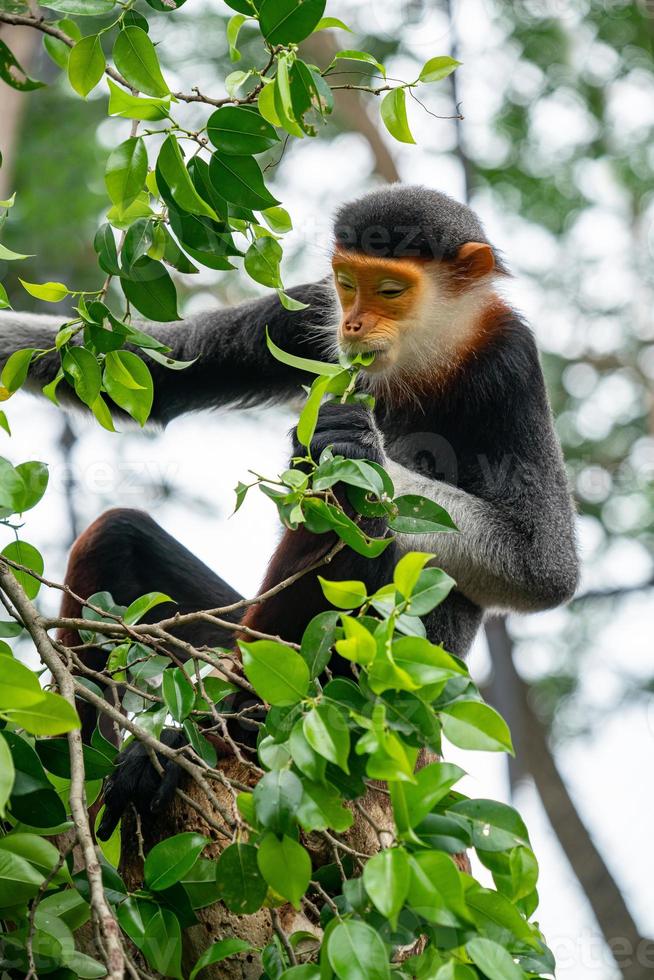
167,787
109,822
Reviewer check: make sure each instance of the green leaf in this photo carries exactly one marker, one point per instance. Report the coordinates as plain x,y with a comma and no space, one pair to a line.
307,761
122,103
86,64
7,775
25,554
52,715
494,961
239,131
308,419
277,796
139,240
19,881
6,255
433,586
357,952
178,693
137,610
321,516
171,166
436,888
19,686
318,639
490,907
104,244
218,952
361,56
326,730
125,172
83,8
289,21
241,886
386,879
81,365
286,866
326,22
278,674
40,853
283,98
426,663
262,261
151,290
243,6
157,933
474,725
15,370
494,826
407,571
302,363
234,25
50,292
278,219
344,595
394,117
433,783
322,808
136,58
14,74
240,181
54,753
359,645
437,69
4,299
122,218
173,858
102,414
135,398
419,515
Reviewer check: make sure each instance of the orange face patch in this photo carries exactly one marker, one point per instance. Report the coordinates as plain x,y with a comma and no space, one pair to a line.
376,294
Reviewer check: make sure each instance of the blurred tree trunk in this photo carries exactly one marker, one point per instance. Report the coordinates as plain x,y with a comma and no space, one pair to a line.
533,752
22,42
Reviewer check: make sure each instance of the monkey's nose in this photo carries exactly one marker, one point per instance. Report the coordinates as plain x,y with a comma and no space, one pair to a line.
353,327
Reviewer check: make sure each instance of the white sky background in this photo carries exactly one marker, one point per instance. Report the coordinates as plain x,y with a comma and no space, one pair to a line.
205,456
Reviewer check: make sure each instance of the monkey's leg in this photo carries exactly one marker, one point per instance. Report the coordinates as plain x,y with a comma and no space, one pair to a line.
126,553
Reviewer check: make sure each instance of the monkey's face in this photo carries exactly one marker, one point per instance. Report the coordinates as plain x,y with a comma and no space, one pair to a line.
379,298
409,311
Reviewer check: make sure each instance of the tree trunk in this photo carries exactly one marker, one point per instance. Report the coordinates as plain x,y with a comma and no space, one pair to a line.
22,42
633,953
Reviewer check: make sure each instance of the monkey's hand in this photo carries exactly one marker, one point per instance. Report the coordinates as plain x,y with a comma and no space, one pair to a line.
349,429
136,781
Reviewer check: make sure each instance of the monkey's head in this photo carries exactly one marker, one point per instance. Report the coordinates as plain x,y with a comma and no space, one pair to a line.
413,271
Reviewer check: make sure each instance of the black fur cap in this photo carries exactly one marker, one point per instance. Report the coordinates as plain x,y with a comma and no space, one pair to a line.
408,221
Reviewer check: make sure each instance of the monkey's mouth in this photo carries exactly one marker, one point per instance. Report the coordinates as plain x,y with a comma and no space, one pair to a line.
383,358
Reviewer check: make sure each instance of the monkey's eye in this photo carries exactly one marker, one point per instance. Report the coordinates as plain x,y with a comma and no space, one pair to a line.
345,283
391,289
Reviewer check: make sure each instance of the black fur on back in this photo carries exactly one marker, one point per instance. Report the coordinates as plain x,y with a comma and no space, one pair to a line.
404,221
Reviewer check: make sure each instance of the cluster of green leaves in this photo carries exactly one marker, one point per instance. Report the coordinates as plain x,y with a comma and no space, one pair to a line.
195,198
305,493
324,738
322,742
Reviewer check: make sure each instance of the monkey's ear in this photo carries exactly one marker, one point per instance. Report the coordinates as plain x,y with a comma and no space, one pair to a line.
475,259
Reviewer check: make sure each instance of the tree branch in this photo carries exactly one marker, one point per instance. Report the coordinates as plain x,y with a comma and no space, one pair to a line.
112,952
